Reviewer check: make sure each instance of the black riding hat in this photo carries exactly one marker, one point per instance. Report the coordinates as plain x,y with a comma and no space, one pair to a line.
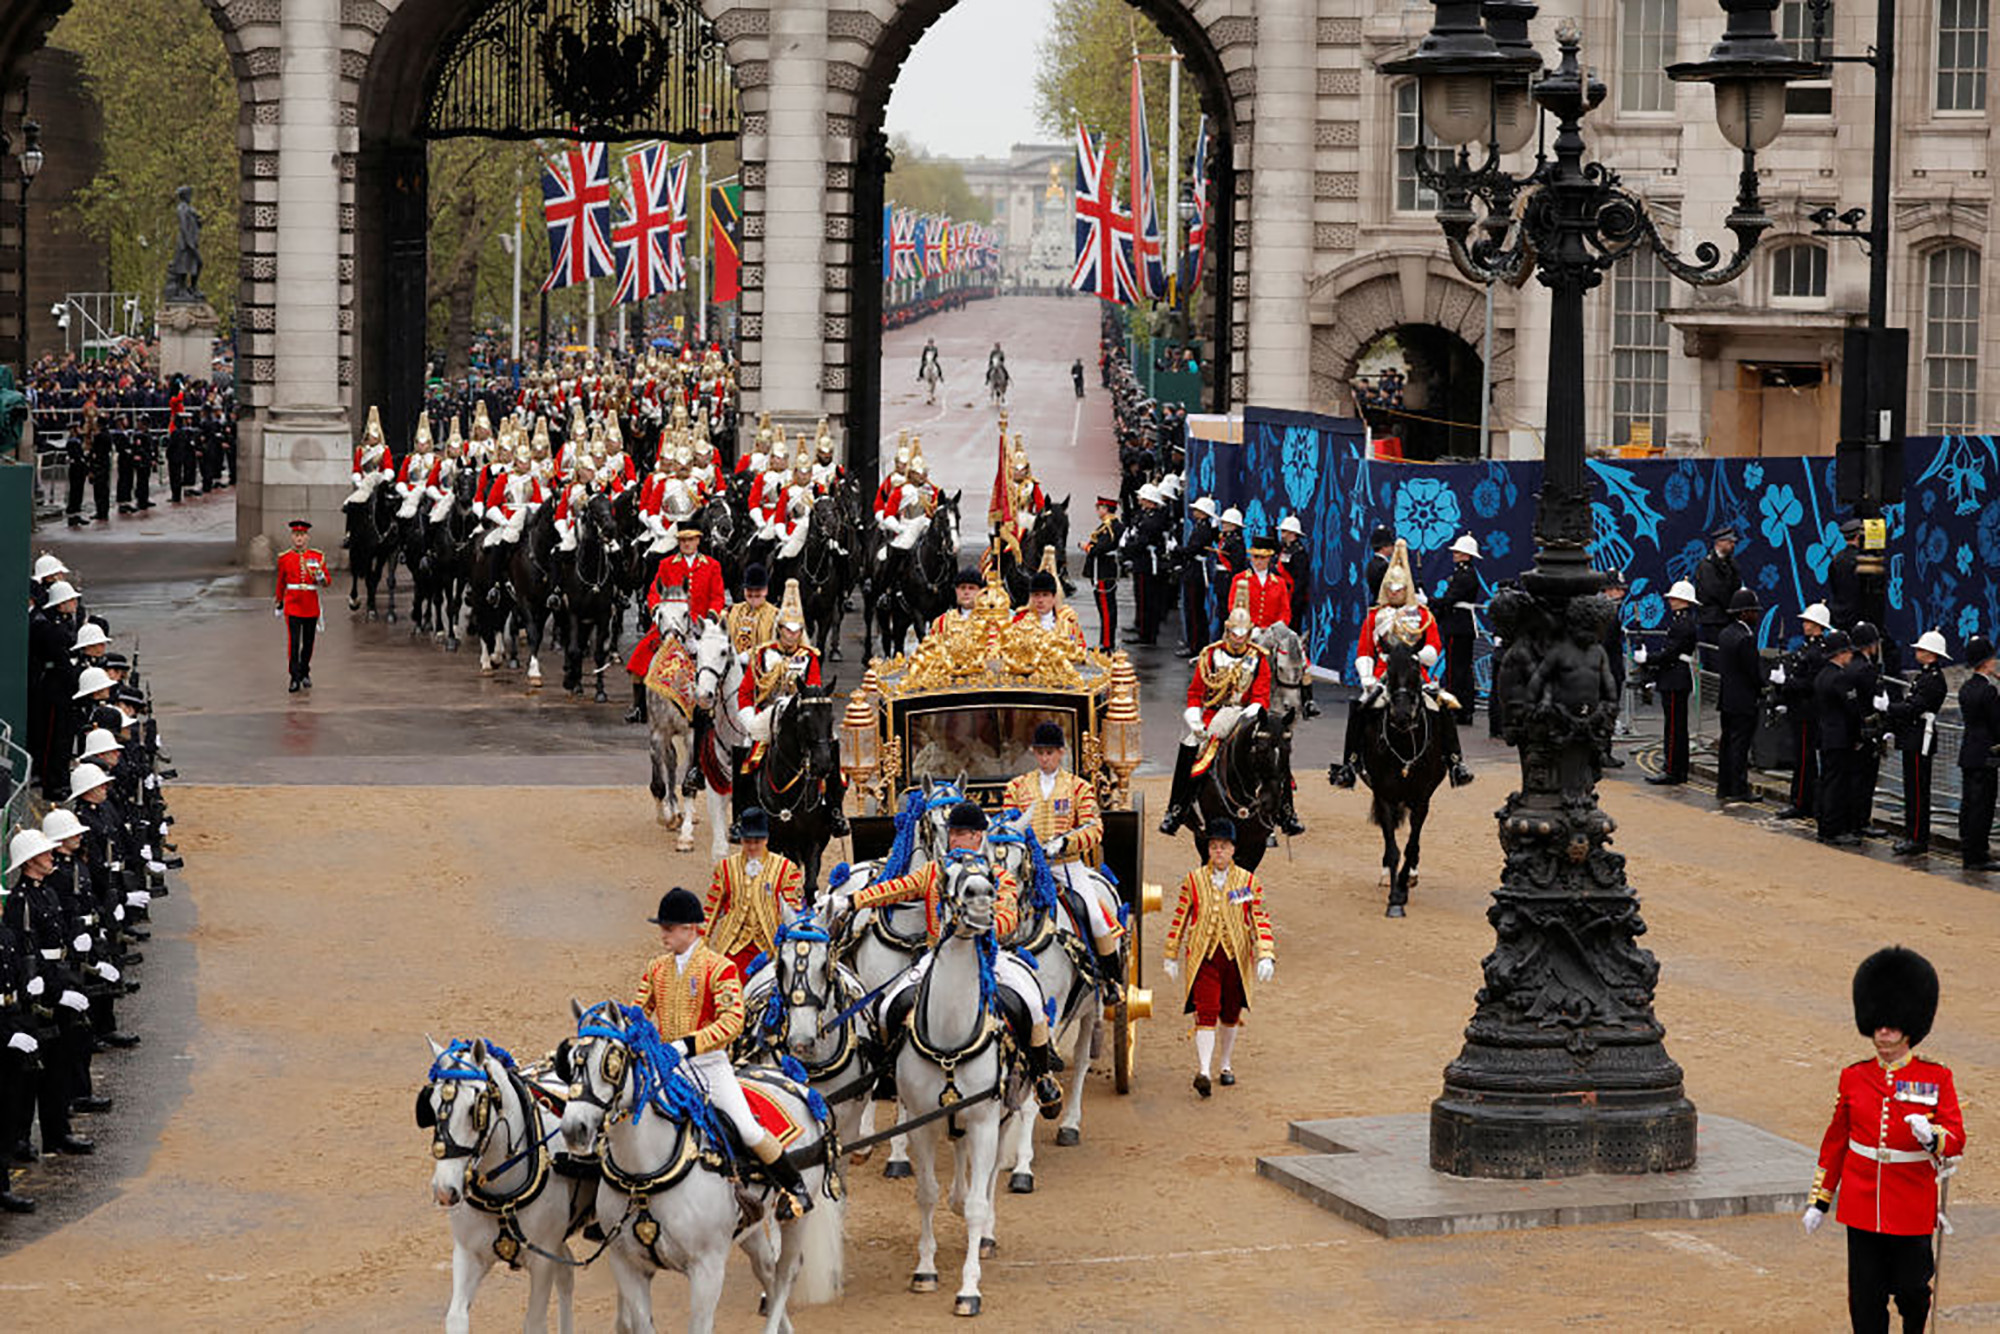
1383,536
754,823
967,815
755,577
1043,582
678,907
969,577
1864,633
1047,734
1977,650
1895,988
1221,827
1835,641
1743,599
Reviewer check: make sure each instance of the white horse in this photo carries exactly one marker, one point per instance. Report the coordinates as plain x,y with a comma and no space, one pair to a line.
953,1055
718,675
792,1003
932,375
1058,948
1289,666
670,730
489,1138
663,1201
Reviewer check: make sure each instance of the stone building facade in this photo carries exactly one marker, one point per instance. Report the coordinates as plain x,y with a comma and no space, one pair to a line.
1017,188
1324,242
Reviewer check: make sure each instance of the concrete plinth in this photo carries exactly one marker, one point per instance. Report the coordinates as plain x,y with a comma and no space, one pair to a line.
1375,1171
187,339
294,464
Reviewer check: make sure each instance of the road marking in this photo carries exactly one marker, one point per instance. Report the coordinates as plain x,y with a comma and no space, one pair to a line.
1688,1244
1075,426
1219,1252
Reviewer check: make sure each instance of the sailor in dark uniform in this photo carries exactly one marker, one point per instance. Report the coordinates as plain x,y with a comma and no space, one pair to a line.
1914,720
1673,677
1838,715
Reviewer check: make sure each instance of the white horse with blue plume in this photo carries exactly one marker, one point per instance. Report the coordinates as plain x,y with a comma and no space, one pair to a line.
808,1016
489,1138
676,1184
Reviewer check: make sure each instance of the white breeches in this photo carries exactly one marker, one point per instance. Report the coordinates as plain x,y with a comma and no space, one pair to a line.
717,1078
1222,724
1100,906
566,531
757,723
442,509
1008,972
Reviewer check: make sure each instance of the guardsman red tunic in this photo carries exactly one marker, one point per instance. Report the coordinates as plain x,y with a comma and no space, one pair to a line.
300,573
704,1002
1366,647
771,668
701,576
1270,598
744,911
1887,1181
927,883
1223,678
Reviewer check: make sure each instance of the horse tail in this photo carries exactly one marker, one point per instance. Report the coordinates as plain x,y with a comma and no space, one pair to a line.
822,1239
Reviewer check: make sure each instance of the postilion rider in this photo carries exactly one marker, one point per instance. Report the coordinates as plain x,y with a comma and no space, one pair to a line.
1060,810
965,837
301,574
1219,926
1896,1133
694,996
754,891
1397,618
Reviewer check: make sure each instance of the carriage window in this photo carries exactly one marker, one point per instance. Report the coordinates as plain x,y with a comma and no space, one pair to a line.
987,745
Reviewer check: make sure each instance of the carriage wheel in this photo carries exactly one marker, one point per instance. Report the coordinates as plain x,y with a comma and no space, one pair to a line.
1125,1032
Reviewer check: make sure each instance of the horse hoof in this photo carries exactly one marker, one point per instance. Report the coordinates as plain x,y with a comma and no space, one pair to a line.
965,1306
988,1248
1413,880
392,618
354,604
371,615
1021,1183
1395,910
1068,1137
923,1283
898,1171
602,698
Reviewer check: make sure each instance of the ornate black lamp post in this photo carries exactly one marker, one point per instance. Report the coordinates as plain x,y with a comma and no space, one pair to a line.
1564,1069
31,166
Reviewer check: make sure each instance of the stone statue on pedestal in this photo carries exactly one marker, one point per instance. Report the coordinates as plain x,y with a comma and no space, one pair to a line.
184,269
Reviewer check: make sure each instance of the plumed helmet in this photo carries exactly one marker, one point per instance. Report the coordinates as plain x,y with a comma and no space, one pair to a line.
1398,585
1895,988
1239,624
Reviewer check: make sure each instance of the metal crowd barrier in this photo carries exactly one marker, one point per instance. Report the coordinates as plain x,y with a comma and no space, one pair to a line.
15,785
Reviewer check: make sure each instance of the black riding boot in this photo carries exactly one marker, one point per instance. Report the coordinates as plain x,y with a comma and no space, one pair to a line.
797,1199
1048,1090
1454,756
739,795
1342,772
1310,709
1111,975
691,781
638,712
836,800
1177,796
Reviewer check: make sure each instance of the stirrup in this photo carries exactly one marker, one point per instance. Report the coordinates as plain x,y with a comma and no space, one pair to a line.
1340,774
1460,775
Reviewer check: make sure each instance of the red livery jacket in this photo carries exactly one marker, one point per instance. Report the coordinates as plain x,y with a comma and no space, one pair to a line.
300,573
1886,1179
1270,597
701,576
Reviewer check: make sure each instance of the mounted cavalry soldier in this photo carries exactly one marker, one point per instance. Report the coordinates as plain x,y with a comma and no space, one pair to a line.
754,891
1100,566
1045,609
965,834
1896,1134
1398,618
418,471
1232,682
685,576
1060,810
694,996
774,673
1219,941
372,463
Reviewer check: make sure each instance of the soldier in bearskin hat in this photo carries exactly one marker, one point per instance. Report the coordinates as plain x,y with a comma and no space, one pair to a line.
1895,1128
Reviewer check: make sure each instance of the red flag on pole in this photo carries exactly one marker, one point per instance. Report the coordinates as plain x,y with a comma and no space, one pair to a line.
1000,508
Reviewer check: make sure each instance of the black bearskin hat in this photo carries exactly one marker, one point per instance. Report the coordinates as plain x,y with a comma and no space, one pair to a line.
1895,988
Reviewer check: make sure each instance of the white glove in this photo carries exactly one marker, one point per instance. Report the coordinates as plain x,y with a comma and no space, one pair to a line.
1252,710
1778,675
1364,670
157,868
1812,1218
105,971
1053,848
1265,967
1192,717
277,611
1921,1127
1881,701
138,898
146,851
1639,655
82,942
73,1000
118,913
36,986
1173,967
24,1044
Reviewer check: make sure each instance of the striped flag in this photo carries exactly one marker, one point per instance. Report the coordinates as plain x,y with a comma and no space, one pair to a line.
651,239
576,203
1197,237
1148,265
1103,233
725,221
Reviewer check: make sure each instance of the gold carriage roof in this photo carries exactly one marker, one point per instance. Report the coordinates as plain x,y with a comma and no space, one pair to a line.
990,650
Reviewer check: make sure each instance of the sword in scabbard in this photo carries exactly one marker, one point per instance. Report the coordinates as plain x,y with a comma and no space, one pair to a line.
1945,1171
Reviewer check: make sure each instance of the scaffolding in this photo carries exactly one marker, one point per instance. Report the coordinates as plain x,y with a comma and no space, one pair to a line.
96,325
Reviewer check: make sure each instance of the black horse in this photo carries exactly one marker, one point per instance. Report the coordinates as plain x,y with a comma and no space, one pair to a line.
911,588
414,542
454,547
822,570
798,782
1050,529
587,579
372,537
532,577
1249,781
1403,761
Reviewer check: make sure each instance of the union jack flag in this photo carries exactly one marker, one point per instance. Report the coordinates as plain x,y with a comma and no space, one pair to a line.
937,259
903,247
651,239
1150,266
577,204
1197,237
1103,232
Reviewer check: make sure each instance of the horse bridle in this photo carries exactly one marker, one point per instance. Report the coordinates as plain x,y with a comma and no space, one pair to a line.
485,1100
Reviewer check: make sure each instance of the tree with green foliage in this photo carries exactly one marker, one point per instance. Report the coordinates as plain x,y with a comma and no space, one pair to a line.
926,184
1086,74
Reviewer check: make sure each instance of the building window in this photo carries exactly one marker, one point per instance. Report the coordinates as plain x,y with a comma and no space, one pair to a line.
1961,58
1640,288
1799,271
1951,339
1645,48
1795,30
1414,143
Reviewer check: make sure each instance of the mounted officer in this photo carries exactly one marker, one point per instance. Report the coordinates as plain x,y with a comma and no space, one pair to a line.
1398,616
1231,683
775,672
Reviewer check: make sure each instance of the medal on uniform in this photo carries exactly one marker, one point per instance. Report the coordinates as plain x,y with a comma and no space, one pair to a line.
1911,1090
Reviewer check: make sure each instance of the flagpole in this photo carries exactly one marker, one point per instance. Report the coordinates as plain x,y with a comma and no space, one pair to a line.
520,221
701,309
1171,233
590,325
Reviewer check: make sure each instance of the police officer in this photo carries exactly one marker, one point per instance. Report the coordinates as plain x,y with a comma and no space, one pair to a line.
1869,694
1843,578
1455,619
1794,677
1673,677
1100,563
1978,755
1913,719
1381,542
1838,715
1741,688
1715,582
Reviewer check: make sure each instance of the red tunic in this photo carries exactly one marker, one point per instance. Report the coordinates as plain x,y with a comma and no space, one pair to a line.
1270,597
1207,668
1899,1197
702,577
1366,647
299,575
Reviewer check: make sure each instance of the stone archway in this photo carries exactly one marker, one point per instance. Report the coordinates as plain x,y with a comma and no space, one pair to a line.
1357,303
